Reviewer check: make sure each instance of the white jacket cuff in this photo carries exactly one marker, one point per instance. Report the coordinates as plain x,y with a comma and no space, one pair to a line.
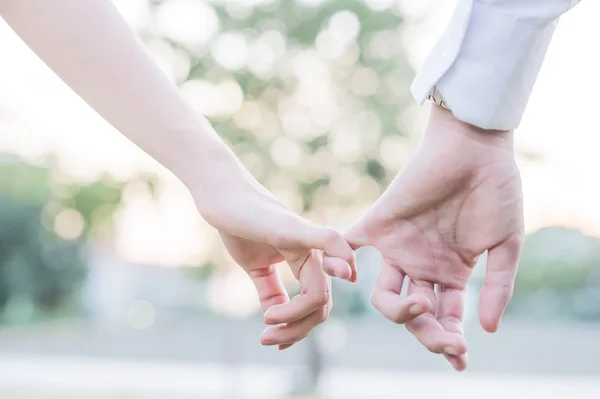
487,61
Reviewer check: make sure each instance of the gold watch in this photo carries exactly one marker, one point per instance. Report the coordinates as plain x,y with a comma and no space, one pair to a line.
436,97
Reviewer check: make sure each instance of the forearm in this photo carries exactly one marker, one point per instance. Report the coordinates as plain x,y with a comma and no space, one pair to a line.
486,63
91,48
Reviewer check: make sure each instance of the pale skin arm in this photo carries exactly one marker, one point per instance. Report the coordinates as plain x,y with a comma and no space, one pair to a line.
91,48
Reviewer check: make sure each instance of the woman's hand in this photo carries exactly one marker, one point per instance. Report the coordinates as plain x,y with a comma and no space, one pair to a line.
259,232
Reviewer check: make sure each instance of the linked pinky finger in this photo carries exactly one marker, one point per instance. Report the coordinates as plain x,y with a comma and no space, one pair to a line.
337,267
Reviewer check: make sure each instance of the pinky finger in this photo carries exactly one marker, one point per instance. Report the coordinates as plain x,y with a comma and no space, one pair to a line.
338,267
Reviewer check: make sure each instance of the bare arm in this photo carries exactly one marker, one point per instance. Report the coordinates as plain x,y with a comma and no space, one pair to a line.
90,47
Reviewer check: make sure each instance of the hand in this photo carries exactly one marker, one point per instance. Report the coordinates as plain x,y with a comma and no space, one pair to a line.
458,196
259,231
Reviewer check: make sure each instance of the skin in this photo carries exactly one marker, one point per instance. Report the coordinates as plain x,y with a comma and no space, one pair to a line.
458,196
260,232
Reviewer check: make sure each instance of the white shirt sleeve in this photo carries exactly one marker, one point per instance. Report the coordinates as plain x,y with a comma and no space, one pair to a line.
486,63
91,48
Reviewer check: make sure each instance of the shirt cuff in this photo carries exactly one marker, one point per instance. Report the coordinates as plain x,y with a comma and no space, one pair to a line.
487,61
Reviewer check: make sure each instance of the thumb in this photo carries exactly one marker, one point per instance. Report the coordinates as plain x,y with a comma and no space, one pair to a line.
497,290
357,236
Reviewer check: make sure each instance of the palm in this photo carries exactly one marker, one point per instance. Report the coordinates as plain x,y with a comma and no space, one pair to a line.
451,234
456,198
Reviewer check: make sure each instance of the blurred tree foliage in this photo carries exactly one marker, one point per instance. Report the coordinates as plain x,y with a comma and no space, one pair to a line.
310,94
44,225
38,271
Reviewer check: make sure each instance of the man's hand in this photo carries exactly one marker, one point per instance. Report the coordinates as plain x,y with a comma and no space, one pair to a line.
259,232
458,196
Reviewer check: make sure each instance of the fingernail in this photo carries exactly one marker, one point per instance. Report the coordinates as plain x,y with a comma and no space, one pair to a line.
451,351
266,315
416,310
341,275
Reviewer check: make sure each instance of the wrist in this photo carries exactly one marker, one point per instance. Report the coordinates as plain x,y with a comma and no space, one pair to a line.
442,120
215,177
197,155
210,168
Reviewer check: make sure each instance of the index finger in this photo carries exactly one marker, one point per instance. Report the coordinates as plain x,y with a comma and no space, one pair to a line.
314,293
269,287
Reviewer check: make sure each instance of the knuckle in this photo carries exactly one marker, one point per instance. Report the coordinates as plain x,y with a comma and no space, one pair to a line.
329,307
262,272
505,285
301,338
417,332
323,315
510,291
453,319
376,300
399,317
331,237
515,242
320,299
501,280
